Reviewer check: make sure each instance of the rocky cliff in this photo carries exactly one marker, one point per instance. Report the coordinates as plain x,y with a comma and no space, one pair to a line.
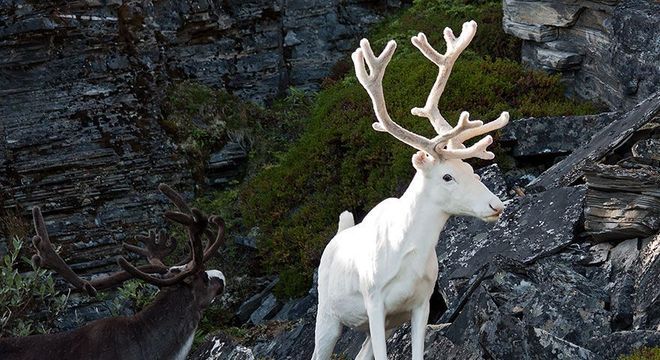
605,50
568,272
81,85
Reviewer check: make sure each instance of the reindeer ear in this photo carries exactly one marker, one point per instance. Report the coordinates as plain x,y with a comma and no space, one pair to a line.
421,160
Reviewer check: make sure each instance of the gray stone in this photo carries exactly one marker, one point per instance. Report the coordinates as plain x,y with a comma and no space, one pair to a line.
558,60
624,256
553,135
296,308
569,170
647,151
647,291
253,303
598,253
544,345
613,345
268,308
221,347
437,347
531,227
615,53
541,13
537,33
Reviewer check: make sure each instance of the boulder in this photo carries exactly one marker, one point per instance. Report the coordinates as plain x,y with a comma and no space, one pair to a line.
569,170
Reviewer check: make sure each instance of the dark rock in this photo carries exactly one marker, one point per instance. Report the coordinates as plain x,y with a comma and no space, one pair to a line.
220,347
252,304
613,345
544,345
647,291
612,56
553,135
569,170
226,165
622,302
436,347
268,308
531,227
647,151
622,202
296,309
295,344
493,331
598,254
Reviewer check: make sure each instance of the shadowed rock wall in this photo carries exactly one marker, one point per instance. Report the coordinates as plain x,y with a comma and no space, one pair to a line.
606,50
81,84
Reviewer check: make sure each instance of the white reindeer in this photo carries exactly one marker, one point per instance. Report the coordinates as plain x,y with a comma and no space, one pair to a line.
378,274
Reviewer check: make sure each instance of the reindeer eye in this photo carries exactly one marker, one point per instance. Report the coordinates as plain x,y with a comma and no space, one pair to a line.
447,178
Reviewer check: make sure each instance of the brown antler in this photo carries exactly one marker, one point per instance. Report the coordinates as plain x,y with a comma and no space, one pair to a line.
157,247
197,223
447,136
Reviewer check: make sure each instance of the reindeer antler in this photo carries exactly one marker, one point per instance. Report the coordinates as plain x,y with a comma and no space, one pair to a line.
157,248
452,138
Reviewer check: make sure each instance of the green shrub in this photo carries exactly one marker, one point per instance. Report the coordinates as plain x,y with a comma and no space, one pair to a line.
201,120
134,294
340,163
26,293
643,354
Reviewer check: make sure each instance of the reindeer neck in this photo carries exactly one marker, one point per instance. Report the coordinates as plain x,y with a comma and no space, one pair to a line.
169,322
423,218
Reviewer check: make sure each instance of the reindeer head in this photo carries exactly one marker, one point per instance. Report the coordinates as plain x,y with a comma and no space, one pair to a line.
454,185
190,277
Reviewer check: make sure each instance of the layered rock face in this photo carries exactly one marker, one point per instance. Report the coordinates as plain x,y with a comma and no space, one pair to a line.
605,50
81,85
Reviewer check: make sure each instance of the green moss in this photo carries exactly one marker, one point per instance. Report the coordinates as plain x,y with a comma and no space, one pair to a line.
645,353
201,120
340,163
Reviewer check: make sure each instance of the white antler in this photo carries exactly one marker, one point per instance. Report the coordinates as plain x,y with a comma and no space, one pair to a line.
452,138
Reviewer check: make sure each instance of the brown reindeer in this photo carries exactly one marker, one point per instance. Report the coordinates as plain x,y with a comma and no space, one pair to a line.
164,329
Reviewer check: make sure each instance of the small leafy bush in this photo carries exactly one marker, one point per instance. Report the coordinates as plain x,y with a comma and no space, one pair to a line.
26,293
134,294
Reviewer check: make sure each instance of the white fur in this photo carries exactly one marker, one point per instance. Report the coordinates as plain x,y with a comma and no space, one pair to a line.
380,273
346,220
216,274
183,353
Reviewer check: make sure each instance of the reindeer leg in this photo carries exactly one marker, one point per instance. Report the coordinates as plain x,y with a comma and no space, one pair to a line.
327,333
420,316
376,314
367,352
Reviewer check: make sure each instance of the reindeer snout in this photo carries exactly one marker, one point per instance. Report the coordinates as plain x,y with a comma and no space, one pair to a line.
497,207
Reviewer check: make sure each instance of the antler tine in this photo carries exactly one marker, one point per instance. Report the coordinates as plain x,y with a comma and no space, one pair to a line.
500,122
373,83
175,197
456,149
213,246
455,47
157,247
47,257
197,223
